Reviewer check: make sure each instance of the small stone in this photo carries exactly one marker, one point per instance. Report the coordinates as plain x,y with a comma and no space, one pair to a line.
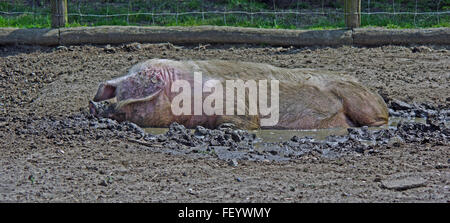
103,183
175,127
421,49
109,180
400,105
62,48
233,162
377,179
235,136
403,183
109,49
200,131
192,192
31,178
394,113
226,126
441,166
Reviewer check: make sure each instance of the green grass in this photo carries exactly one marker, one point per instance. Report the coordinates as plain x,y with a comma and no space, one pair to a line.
405,21
290,21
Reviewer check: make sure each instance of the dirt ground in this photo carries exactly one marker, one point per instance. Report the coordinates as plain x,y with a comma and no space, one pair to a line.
39,84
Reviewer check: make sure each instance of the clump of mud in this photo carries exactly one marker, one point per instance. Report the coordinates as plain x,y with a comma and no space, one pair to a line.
398,108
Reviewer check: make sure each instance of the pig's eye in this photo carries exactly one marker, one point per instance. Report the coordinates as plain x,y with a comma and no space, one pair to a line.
154,80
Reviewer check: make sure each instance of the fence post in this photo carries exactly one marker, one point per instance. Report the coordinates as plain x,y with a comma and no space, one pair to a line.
59,13
352,13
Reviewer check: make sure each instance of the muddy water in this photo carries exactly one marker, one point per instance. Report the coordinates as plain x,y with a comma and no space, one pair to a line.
270,135
321,134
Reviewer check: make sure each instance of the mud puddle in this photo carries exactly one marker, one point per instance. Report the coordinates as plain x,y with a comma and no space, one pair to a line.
322,134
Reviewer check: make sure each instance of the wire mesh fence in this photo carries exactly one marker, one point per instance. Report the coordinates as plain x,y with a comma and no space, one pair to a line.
292,14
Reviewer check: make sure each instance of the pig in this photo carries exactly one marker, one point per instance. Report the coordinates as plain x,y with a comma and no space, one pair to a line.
307,98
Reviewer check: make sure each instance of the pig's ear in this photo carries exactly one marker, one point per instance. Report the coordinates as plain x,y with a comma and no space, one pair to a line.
105,91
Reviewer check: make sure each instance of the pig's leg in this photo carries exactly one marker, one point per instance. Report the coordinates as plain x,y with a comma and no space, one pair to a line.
361,107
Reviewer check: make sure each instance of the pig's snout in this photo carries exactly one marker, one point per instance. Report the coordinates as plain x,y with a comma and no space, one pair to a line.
93,108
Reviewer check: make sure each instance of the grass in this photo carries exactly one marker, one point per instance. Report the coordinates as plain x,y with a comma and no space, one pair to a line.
329,20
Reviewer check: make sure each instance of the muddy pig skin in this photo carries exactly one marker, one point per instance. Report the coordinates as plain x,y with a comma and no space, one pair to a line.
308,98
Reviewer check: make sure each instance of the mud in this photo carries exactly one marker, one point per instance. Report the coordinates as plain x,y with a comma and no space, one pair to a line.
54,150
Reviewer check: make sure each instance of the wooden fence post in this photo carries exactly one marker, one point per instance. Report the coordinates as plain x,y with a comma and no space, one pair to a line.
59,13
352,13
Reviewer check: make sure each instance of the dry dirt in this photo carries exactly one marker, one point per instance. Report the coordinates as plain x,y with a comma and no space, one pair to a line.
40,83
